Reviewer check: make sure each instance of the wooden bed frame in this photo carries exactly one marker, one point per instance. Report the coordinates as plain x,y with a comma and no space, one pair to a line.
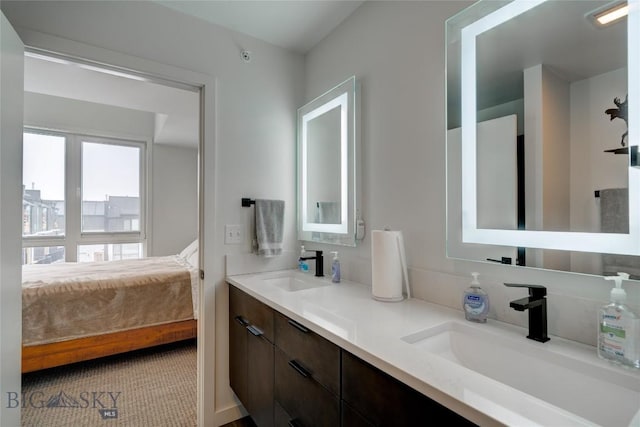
44,356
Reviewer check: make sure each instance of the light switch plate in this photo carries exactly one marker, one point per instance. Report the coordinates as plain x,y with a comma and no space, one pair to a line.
232,234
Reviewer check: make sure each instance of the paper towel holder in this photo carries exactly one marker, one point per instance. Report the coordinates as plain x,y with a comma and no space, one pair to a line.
404,276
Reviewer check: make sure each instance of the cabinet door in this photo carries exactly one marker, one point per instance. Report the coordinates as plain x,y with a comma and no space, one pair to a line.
307,402
237,344
350,418
385,401
260,374
251,357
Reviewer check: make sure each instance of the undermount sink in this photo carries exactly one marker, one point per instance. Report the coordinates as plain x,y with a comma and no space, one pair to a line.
294,282
597,392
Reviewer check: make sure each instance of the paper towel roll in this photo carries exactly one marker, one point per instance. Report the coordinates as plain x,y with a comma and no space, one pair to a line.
388,264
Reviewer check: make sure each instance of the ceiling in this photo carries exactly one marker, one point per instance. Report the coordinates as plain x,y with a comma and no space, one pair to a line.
295,25
175,110
298,25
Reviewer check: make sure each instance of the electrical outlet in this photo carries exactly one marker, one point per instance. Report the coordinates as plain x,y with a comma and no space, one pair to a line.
232,234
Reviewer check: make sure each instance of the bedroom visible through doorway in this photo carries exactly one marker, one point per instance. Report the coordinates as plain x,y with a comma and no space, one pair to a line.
111,197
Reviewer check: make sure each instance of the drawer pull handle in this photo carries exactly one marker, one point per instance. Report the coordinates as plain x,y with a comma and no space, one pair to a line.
298,326
255,331
241,321
298,367
294,423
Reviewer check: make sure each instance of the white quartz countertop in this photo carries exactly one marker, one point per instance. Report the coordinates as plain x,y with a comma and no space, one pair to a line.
347,315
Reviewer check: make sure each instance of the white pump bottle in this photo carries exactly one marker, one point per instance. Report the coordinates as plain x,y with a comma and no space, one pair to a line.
619,328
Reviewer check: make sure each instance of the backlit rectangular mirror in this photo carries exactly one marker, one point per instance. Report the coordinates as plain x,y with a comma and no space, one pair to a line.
327,166
540,134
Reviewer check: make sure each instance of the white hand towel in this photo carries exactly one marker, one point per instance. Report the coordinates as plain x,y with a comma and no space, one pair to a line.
269,226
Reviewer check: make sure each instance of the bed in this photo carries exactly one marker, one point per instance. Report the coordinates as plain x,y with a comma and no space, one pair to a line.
73,312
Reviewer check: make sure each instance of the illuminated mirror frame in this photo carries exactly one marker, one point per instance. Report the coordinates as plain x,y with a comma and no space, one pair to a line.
342,102
613,243
344,97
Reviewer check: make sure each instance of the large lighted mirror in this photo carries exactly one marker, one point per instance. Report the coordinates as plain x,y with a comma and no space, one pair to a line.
327,166
541,136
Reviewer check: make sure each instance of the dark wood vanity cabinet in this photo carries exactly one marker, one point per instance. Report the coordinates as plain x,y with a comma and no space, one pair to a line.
373,397
289,376
307,376
251,355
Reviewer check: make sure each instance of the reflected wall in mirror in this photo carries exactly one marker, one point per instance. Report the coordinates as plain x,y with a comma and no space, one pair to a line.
327,166
538,169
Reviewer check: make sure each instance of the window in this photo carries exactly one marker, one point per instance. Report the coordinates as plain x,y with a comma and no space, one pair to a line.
43,185
110,187
83,198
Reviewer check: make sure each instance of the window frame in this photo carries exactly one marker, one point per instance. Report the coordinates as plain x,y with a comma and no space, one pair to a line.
74,237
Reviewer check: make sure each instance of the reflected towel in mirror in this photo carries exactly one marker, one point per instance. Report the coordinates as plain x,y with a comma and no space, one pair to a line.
327,213
269,221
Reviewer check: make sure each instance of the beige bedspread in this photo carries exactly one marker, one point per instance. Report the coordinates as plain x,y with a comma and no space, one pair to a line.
74,300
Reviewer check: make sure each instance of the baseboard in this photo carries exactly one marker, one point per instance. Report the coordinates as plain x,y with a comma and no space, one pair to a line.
229,414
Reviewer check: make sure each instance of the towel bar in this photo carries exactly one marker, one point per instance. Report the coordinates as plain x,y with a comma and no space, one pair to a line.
247,202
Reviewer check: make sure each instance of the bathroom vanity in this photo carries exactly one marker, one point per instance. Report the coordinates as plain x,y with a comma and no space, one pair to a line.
308,352
285,374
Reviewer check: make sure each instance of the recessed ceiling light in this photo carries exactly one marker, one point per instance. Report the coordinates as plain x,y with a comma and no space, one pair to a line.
610,14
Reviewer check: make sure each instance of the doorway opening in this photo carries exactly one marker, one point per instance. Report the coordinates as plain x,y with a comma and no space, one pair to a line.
143,206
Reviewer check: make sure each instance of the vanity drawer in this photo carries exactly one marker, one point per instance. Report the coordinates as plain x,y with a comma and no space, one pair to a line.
320,357
304,400
252,312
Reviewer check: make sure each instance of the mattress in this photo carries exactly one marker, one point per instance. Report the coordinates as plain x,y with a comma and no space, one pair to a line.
75,300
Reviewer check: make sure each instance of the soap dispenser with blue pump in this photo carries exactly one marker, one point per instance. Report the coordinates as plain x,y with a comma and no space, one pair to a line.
335,268
475,302
303,265
619,328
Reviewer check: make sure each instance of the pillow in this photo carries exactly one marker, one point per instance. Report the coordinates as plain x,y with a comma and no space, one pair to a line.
193,258
189,250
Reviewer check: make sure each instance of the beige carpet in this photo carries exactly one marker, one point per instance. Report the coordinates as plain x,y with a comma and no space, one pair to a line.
152,387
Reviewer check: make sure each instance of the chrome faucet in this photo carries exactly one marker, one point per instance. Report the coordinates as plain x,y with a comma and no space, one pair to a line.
536,303
319,262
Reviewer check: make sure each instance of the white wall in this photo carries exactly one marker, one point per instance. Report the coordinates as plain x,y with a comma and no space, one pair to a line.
57,113
254,149
174,199
396,49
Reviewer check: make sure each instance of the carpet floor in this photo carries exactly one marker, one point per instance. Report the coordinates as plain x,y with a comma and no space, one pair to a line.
151,387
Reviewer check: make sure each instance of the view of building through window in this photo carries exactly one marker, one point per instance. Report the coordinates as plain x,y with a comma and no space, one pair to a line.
110,187
43,185
109,200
